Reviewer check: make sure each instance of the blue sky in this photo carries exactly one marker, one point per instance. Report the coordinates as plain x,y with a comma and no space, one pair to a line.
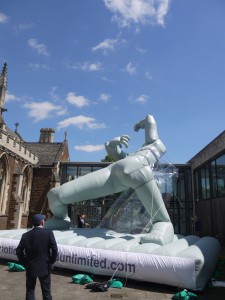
93,68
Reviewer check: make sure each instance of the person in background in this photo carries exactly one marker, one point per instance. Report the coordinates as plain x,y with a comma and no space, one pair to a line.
37,252
49,214
81,221
197,224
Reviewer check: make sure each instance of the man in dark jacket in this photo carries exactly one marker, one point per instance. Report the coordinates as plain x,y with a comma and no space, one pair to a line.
37,251
81,221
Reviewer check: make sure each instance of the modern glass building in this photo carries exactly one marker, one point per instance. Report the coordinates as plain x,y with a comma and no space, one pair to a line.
208,173
176,191
210,179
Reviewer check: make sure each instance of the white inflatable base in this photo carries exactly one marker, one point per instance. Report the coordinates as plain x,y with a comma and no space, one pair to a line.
187,262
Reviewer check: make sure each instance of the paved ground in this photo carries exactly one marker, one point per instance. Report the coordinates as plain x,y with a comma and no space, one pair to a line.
12,286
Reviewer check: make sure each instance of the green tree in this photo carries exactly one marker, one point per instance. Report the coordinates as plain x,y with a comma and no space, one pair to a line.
108,158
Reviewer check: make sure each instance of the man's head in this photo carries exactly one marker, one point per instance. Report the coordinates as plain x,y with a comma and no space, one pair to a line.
38,220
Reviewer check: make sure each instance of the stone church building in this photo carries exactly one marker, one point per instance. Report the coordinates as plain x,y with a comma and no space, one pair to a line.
27,169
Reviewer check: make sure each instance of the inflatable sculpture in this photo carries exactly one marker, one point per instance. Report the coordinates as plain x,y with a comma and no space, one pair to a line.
129,171
153,255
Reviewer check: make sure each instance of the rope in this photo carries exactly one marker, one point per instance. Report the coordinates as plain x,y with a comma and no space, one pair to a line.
126,277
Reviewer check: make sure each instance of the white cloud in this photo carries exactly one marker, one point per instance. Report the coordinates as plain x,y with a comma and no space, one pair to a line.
22,27
91,66
81,122
108,45
128,12
10,97
39,66
140,50
162,11
142,99
62,112
104,97
130,68
148,75
107,79
3,18
42,110
53,94
78,101
40,48
86,66
90,148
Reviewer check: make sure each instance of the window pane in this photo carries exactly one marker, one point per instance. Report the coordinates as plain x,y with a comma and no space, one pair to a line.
83,171
220,178
205,187
214,181
71,172
220,160
196,185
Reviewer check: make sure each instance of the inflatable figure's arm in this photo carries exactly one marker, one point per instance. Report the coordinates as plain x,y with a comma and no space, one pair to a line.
114,147
150,127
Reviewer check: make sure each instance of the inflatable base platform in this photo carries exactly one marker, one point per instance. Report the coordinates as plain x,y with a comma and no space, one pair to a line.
188,262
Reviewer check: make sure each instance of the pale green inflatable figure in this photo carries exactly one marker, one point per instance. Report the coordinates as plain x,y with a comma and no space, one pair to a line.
129,171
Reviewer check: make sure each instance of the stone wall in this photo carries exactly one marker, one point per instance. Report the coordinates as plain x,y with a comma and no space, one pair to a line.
15,168
40,188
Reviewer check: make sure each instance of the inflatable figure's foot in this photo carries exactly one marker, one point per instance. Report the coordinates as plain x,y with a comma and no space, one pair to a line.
162,233
57,224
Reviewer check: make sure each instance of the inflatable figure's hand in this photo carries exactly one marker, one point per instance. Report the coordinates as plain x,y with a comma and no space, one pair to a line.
118,141
150,127
137,127
142,123
113,147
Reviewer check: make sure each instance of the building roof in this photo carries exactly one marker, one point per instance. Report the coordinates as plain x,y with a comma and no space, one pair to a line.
48,153
212,149
14,134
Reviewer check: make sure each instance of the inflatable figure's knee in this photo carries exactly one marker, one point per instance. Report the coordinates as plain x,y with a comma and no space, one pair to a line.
58,208
60,221
162,233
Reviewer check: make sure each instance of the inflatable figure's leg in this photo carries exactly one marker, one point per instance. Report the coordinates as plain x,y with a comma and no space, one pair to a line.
151,198
139,176
90,186
162,231
74,191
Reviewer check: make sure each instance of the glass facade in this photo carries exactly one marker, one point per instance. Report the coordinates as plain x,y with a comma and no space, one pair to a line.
210,179
181,204
94,209
218,179
176,194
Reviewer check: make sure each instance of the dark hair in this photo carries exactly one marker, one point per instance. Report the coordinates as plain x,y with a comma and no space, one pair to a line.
36,224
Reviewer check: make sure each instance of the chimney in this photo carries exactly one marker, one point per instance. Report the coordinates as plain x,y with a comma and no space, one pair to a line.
46,135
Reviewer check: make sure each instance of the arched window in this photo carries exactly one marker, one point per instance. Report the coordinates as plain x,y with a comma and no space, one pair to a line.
3,183
25,190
